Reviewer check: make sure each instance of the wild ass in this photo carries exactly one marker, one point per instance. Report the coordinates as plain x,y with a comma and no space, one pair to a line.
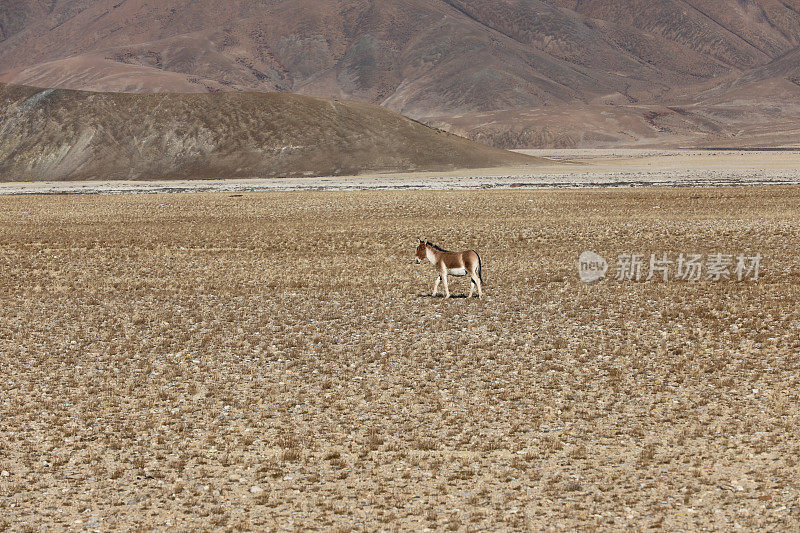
453,263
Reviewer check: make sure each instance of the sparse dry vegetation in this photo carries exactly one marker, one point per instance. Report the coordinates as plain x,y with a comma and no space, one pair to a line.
269,361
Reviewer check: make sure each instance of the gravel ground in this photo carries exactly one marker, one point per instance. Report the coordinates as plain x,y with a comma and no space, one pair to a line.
272,361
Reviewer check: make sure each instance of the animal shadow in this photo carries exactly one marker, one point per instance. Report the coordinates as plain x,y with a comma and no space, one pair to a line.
441,296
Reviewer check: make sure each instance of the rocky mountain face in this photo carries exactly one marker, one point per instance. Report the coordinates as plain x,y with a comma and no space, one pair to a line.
60,134
456,63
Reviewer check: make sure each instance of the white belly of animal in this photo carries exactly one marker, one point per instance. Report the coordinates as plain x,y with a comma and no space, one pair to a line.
457,271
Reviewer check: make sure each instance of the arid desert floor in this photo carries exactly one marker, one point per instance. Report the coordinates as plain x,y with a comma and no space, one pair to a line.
273,361
568,168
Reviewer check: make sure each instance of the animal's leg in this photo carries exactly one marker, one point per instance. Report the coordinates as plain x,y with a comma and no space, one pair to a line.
446,288
436,286
476,282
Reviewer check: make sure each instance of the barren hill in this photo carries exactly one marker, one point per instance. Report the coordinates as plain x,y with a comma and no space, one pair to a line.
58,134
447,61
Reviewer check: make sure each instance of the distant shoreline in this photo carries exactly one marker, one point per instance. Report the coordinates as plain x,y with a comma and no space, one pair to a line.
352,184
561,169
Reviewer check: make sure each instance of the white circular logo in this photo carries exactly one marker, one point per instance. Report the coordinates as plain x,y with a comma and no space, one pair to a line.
591,267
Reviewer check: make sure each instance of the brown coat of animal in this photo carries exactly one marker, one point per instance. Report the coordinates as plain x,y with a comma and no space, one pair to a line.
466,263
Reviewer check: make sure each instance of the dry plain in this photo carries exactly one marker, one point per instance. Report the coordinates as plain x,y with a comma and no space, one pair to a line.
271,361
554,169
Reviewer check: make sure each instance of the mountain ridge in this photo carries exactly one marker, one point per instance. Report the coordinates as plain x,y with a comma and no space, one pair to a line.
427,60
62,134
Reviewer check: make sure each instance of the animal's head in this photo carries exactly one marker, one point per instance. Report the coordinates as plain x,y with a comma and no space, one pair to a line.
422,252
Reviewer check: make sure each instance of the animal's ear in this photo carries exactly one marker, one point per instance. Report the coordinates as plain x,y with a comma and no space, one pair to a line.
419,241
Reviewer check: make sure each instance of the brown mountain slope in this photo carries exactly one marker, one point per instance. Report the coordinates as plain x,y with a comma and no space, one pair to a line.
777,82
418,56
424,58
738,33
58,134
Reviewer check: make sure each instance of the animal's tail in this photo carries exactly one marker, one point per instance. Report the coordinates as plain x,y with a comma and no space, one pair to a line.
480,269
